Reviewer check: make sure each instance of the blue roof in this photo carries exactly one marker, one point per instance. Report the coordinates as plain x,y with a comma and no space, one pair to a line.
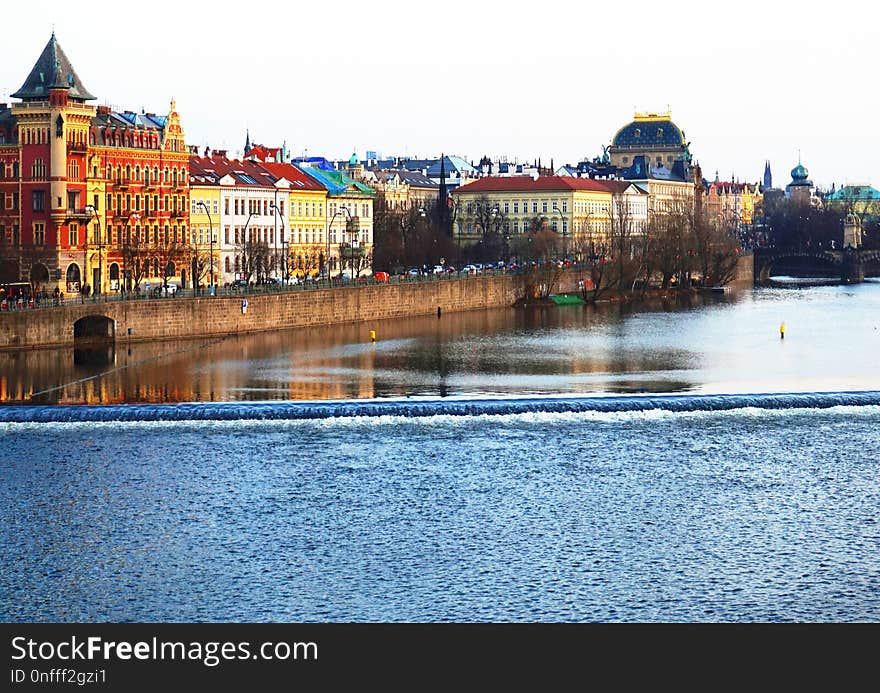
659,132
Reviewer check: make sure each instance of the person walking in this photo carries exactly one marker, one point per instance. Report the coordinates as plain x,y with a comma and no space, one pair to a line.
782,330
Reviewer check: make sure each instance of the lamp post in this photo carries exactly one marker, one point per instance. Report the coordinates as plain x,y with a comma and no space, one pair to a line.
274,207
126,273
340,210
100,241
200,203
244,247
562,220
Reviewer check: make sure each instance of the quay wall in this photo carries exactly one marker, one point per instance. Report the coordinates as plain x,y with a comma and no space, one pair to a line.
185,318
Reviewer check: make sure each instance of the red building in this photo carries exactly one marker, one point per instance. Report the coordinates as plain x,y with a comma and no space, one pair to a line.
88,195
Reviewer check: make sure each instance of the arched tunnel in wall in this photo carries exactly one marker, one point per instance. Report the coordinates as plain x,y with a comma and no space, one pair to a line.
94,338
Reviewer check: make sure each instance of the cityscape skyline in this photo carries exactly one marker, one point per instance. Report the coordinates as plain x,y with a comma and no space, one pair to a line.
400,85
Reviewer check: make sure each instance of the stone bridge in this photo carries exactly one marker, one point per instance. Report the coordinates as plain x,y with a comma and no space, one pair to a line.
849,264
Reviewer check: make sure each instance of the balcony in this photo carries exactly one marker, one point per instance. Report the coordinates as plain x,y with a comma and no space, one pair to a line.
121,183
76,147
78,214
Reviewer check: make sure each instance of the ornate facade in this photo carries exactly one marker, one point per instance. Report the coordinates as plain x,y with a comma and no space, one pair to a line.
88,196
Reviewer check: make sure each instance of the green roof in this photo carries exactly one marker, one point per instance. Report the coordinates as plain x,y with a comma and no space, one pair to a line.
339,184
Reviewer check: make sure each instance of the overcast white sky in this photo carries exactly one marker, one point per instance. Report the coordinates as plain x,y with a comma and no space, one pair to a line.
746,81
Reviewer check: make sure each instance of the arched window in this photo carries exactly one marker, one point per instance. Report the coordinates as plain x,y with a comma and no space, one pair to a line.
128,173
137,173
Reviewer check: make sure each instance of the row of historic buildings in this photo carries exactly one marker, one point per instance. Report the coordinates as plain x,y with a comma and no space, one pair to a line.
98,198
91,196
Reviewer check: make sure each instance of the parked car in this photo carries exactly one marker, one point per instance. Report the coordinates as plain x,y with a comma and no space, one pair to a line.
469,269
414,272
381,277
238,283
169,289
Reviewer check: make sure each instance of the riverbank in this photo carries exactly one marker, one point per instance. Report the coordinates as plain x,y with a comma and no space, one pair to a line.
220,316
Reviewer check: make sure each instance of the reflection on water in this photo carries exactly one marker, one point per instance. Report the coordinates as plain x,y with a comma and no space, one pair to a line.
713,344
94,355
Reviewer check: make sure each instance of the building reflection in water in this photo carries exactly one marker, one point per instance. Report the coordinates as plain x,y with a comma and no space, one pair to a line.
517,350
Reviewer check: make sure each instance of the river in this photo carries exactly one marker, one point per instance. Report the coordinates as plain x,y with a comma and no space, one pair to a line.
607,463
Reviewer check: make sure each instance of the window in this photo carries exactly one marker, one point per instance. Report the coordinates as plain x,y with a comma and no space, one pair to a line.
506,207
72,200
226,211
544,206
39,234
39,200
534,207
38,170
73,235
226,236
516,207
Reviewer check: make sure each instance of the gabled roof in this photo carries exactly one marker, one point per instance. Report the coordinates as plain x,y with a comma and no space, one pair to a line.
338,184
415,179
294,175
209,171
542,183
52,69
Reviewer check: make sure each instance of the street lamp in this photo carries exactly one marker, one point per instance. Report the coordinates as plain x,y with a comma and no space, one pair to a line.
100,241
126,273
245,246
274,207
340,210
562,220
200,203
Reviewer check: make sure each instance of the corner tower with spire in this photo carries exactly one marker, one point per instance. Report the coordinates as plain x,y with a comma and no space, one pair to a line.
53,120
85,181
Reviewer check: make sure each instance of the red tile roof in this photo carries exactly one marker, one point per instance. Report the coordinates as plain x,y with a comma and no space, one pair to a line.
542,183
298,179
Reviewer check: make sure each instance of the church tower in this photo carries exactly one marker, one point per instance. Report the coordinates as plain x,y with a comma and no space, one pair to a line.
768,177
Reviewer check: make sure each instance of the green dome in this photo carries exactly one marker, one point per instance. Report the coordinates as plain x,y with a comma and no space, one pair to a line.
354,161
799,174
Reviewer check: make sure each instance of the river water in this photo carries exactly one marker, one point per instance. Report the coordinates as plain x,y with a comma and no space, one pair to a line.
551,464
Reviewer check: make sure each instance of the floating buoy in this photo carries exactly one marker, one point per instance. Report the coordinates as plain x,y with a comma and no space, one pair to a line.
372,335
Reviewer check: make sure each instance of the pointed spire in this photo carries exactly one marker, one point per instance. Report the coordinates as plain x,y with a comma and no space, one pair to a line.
443,199
52,70
247,142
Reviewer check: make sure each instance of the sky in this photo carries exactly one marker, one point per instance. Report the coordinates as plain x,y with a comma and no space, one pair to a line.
746,81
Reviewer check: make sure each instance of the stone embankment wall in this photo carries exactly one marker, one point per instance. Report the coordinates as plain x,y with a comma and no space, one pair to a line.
185,318
745,272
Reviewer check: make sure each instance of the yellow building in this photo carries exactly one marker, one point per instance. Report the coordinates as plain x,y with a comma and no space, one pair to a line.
579,209
307,238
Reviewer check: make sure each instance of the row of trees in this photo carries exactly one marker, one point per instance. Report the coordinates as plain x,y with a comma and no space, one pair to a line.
616,251
789,225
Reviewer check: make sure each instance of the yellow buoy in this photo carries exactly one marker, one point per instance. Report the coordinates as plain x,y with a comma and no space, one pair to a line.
372,335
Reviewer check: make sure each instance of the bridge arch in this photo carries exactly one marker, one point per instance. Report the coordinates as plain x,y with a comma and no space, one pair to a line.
93,329
822,261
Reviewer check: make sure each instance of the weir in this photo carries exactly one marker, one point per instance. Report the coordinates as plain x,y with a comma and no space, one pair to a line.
252,411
